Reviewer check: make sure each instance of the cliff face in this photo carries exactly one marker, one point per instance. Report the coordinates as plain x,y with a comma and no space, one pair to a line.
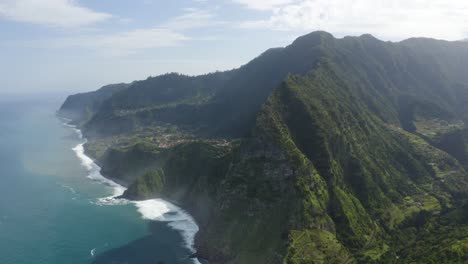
81,107
348,151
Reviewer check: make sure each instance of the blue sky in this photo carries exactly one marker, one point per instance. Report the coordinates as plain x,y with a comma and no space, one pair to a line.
80,45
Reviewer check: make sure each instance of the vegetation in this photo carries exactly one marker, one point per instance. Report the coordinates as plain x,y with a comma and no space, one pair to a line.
330,150
144,187
81,107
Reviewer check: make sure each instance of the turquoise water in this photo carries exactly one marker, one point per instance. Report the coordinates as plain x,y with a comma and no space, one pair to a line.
50,210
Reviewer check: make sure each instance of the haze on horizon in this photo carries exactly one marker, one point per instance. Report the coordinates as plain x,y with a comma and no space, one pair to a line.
80,45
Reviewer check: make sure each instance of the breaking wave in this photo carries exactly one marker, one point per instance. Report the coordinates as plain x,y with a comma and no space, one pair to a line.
153,209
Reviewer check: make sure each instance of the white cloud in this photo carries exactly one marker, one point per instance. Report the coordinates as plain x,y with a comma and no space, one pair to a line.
168,34
192,18
173,32
389,19
264,4
58,13
124,43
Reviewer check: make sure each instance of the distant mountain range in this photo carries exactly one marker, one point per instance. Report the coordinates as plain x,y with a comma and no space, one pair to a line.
349,150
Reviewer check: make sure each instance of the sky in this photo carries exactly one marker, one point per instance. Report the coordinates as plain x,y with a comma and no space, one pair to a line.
81,45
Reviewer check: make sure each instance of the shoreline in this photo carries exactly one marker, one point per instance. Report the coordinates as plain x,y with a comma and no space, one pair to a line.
153,209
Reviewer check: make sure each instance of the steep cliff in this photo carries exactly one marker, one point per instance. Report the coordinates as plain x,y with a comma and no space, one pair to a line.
330,150
81,107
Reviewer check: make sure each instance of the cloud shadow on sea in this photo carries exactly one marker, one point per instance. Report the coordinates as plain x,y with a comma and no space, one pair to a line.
162,246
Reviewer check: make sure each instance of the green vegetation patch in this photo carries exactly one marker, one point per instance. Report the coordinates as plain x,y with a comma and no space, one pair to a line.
434,128
315,247
147,185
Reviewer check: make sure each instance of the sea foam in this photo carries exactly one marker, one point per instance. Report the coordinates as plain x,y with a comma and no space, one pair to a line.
177,218
153,209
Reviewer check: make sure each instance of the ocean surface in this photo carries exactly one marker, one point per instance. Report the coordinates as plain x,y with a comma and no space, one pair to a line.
55,207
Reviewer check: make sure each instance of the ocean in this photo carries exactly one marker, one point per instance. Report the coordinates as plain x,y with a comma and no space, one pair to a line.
55,207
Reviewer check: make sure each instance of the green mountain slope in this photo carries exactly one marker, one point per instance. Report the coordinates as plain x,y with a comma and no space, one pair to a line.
81,107
230,100
153,100
330,150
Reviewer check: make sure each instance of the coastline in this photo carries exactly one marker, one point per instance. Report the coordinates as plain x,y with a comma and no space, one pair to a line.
152,209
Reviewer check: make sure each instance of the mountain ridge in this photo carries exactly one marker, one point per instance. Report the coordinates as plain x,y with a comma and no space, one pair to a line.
348,150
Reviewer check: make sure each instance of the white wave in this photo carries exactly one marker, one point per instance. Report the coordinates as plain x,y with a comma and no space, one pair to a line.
77,131
177,218
154,209
111,200
73,127
66,120
95,175
86,161
68,125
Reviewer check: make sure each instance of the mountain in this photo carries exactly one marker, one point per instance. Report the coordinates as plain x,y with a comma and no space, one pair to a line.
81,107
349,150
228,112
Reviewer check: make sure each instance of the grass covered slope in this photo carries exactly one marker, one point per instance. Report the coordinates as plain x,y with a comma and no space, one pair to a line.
349,150
386,186
155,100
321,179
